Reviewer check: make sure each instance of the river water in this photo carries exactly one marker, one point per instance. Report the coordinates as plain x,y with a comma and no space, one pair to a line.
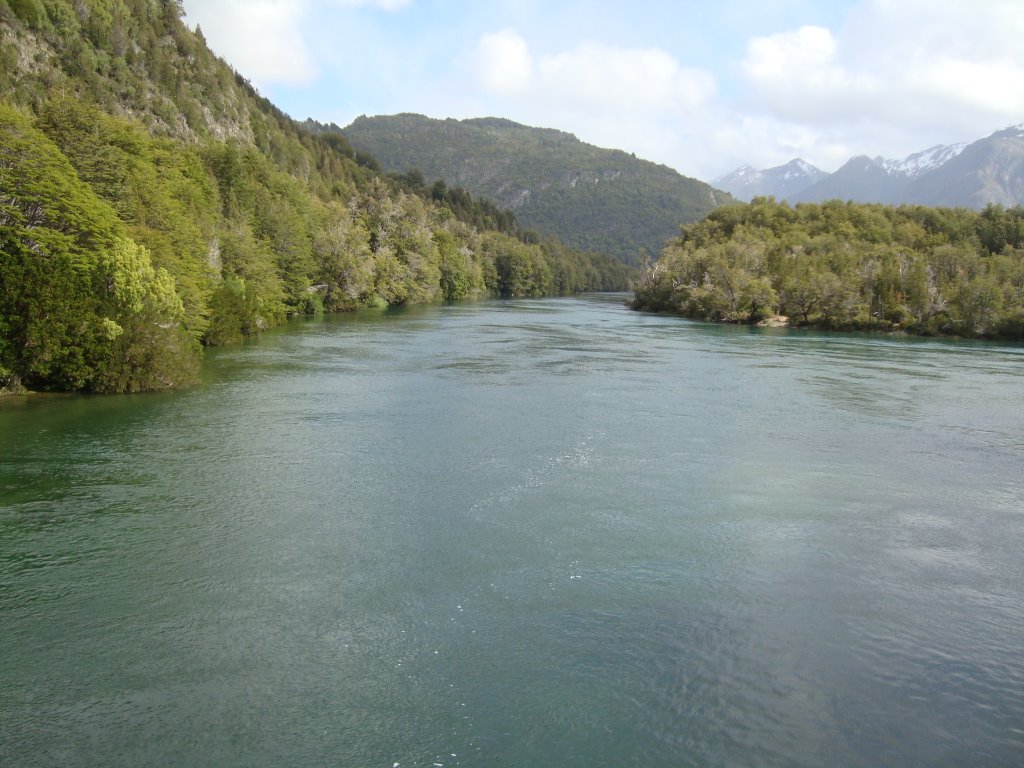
523,533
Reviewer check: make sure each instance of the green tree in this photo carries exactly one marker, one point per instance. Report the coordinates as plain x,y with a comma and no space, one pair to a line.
71,283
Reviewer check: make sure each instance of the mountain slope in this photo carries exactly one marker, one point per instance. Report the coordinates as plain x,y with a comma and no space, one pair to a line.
991,170
781,182
152,202
862,179
920,163
592,198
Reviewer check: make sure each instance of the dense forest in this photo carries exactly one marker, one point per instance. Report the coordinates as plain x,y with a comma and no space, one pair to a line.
848,266
151,202
590,197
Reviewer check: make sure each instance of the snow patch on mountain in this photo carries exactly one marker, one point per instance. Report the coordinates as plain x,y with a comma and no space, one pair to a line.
746,182
798,169
929,159
989,170
744,175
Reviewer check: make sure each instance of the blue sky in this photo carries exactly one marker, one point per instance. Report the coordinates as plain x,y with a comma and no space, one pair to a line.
701,86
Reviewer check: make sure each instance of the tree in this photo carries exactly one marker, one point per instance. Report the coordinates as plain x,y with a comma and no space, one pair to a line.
344,262
847,266
73,286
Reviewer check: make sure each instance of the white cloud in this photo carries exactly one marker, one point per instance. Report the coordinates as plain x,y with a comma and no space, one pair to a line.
886,77
631,98
385,5
505,63
594,77
806,52
894,78
994,87
262,39
799,75
601,76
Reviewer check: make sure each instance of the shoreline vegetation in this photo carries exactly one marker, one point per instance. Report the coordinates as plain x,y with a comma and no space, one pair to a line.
152,203
847,267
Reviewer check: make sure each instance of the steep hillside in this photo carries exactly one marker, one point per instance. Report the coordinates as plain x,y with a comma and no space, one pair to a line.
136,59
152,202
592,198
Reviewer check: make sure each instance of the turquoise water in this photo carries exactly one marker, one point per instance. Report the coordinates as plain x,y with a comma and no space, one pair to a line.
523,533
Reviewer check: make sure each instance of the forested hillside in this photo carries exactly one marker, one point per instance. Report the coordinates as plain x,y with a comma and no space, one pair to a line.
848,266
151,202
604,199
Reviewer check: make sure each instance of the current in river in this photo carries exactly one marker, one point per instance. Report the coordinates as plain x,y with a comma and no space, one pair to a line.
523,533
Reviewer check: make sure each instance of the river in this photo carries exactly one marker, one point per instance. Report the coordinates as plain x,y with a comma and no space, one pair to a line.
523,533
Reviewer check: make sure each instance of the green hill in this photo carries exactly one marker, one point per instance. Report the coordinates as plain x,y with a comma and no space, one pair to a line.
597,199
152,202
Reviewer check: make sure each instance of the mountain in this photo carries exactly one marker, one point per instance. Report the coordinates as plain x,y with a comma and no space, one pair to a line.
989,170
921,163
862,179
780,182
877,180
592,198
152,202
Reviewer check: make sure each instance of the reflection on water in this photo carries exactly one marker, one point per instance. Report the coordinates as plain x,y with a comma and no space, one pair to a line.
545,533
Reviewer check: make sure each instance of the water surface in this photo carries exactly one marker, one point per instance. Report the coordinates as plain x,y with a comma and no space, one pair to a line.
523,533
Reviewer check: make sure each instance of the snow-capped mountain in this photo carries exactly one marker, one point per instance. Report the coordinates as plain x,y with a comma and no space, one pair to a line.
862,178
920,163
747,183
989,170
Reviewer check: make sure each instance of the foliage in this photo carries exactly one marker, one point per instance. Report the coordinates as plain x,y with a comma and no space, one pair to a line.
81,304
848,266
480,212
592,198
151,202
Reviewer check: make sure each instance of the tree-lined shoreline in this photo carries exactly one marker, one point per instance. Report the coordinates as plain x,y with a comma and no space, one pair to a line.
847,266
152,203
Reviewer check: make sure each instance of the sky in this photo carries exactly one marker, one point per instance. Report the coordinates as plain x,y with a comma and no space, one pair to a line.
703,86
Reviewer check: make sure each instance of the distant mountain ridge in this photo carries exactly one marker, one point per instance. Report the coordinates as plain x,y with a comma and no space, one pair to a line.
747,183
969,175
597,199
